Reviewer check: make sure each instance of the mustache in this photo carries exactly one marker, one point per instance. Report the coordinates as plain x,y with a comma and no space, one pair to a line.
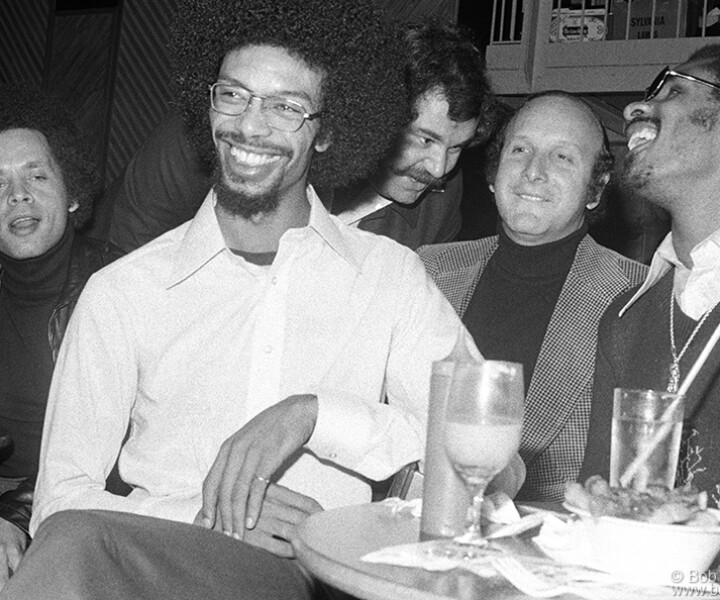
238,139
642,119
421,175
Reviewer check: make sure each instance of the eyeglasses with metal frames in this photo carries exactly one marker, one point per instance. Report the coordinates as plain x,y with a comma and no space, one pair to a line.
657,84
280,113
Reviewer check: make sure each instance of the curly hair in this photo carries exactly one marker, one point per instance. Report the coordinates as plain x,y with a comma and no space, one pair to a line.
602,167
360,53
24,106
442,57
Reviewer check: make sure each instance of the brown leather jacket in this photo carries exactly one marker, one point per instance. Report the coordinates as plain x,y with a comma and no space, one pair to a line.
86,256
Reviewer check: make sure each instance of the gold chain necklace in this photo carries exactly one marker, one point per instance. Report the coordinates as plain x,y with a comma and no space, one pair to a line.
674,382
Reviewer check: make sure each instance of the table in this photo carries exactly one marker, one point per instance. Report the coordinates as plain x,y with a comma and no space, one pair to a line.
331,543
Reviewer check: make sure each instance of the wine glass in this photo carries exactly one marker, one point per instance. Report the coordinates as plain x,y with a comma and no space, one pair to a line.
483,422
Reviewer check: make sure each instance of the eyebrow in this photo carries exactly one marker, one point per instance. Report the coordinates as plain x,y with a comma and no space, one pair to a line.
559,144
280,93
32,164
434,135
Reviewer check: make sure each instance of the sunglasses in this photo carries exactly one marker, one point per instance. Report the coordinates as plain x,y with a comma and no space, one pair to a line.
665,74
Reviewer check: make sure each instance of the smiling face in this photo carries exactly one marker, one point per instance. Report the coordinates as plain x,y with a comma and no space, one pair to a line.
545,168
427,151
674,141
33,201
258,166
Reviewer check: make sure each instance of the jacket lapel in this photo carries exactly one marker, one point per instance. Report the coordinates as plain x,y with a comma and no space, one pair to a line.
565,365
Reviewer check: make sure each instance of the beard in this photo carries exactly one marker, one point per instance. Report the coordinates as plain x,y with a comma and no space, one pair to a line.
636,181
242,204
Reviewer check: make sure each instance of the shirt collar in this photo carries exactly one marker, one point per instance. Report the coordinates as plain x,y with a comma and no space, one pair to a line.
203,239
662,261
201,242
327,228
665,258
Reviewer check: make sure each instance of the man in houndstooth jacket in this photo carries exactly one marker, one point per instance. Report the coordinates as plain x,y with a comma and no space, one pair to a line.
535,293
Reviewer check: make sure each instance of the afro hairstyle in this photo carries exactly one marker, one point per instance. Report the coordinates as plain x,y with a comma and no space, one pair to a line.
24,106
360,52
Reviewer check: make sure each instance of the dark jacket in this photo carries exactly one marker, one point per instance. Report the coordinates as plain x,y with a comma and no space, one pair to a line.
86,256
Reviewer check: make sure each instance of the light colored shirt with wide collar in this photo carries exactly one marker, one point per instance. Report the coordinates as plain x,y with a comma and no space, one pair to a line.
696,290
370,206
189,341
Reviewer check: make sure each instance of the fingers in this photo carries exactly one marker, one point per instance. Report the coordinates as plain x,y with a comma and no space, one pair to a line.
5,571
304,504
254,504
208,515
235,487
14,555
10,556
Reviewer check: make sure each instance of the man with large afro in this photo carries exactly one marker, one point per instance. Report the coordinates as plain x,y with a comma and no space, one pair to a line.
414,194
259,363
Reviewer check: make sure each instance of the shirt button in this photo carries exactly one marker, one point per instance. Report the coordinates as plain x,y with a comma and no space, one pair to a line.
268,349
274,280
333,455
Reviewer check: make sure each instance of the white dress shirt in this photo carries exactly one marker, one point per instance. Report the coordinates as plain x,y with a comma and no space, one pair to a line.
353,216
187,341
696,290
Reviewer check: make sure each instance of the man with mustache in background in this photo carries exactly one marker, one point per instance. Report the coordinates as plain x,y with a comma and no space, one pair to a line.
414,197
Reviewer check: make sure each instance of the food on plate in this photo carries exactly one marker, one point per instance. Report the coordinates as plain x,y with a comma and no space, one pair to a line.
656,504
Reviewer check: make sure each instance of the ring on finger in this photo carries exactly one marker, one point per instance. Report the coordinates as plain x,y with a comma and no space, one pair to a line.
262,480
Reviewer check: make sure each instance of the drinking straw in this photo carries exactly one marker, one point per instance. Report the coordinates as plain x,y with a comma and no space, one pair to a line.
667,425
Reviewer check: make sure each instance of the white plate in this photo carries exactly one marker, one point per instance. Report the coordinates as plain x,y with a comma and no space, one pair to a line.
649,553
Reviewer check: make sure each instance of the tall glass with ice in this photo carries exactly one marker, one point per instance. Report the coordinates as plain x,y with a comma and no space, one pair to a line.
645,439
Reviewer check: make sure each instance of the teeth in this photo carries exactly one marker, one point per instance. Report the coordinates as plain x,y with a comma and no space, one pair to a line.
251,158
531,198
641,136
21,221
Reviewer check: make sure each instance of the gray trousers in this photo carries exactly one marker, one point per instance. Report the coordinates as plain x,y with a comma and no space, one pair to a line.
102,555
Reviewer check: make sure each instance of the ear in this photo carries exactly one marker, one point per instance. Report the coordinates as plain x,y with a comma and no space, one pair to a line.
596,201
322,142
73,206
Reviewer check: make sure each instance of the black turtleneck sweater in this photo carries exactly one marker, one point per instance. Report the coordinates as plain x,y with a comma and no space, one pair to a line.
29,290
512,304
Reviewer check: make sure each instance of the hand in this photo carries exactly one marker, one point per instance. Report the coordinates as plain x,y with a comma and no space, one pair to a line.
12,547
281,512
234,488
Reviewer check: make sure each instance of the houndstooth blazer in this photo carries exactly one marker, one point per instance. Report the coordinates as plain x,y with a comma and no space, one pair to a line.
557,406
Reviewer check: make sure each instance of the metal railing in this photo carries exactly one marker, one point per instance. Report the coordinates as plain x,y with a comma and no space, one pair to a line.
599,20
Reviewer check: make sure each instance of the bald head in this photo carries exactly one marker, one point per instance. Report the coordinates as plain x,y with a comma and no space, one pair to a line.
547,168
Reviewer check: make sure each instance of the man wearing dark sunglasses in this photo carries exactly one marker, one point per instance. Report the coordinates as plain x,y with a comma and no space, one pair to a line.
651,336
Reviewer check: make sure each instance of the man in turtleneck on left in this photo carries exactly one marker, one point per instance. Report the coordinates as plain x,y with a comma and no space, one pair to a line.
47,185
535,293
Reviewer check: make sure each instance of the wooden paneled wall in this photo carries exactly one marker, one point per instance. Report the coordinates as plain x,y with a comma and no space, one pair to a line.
23,36
142,78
